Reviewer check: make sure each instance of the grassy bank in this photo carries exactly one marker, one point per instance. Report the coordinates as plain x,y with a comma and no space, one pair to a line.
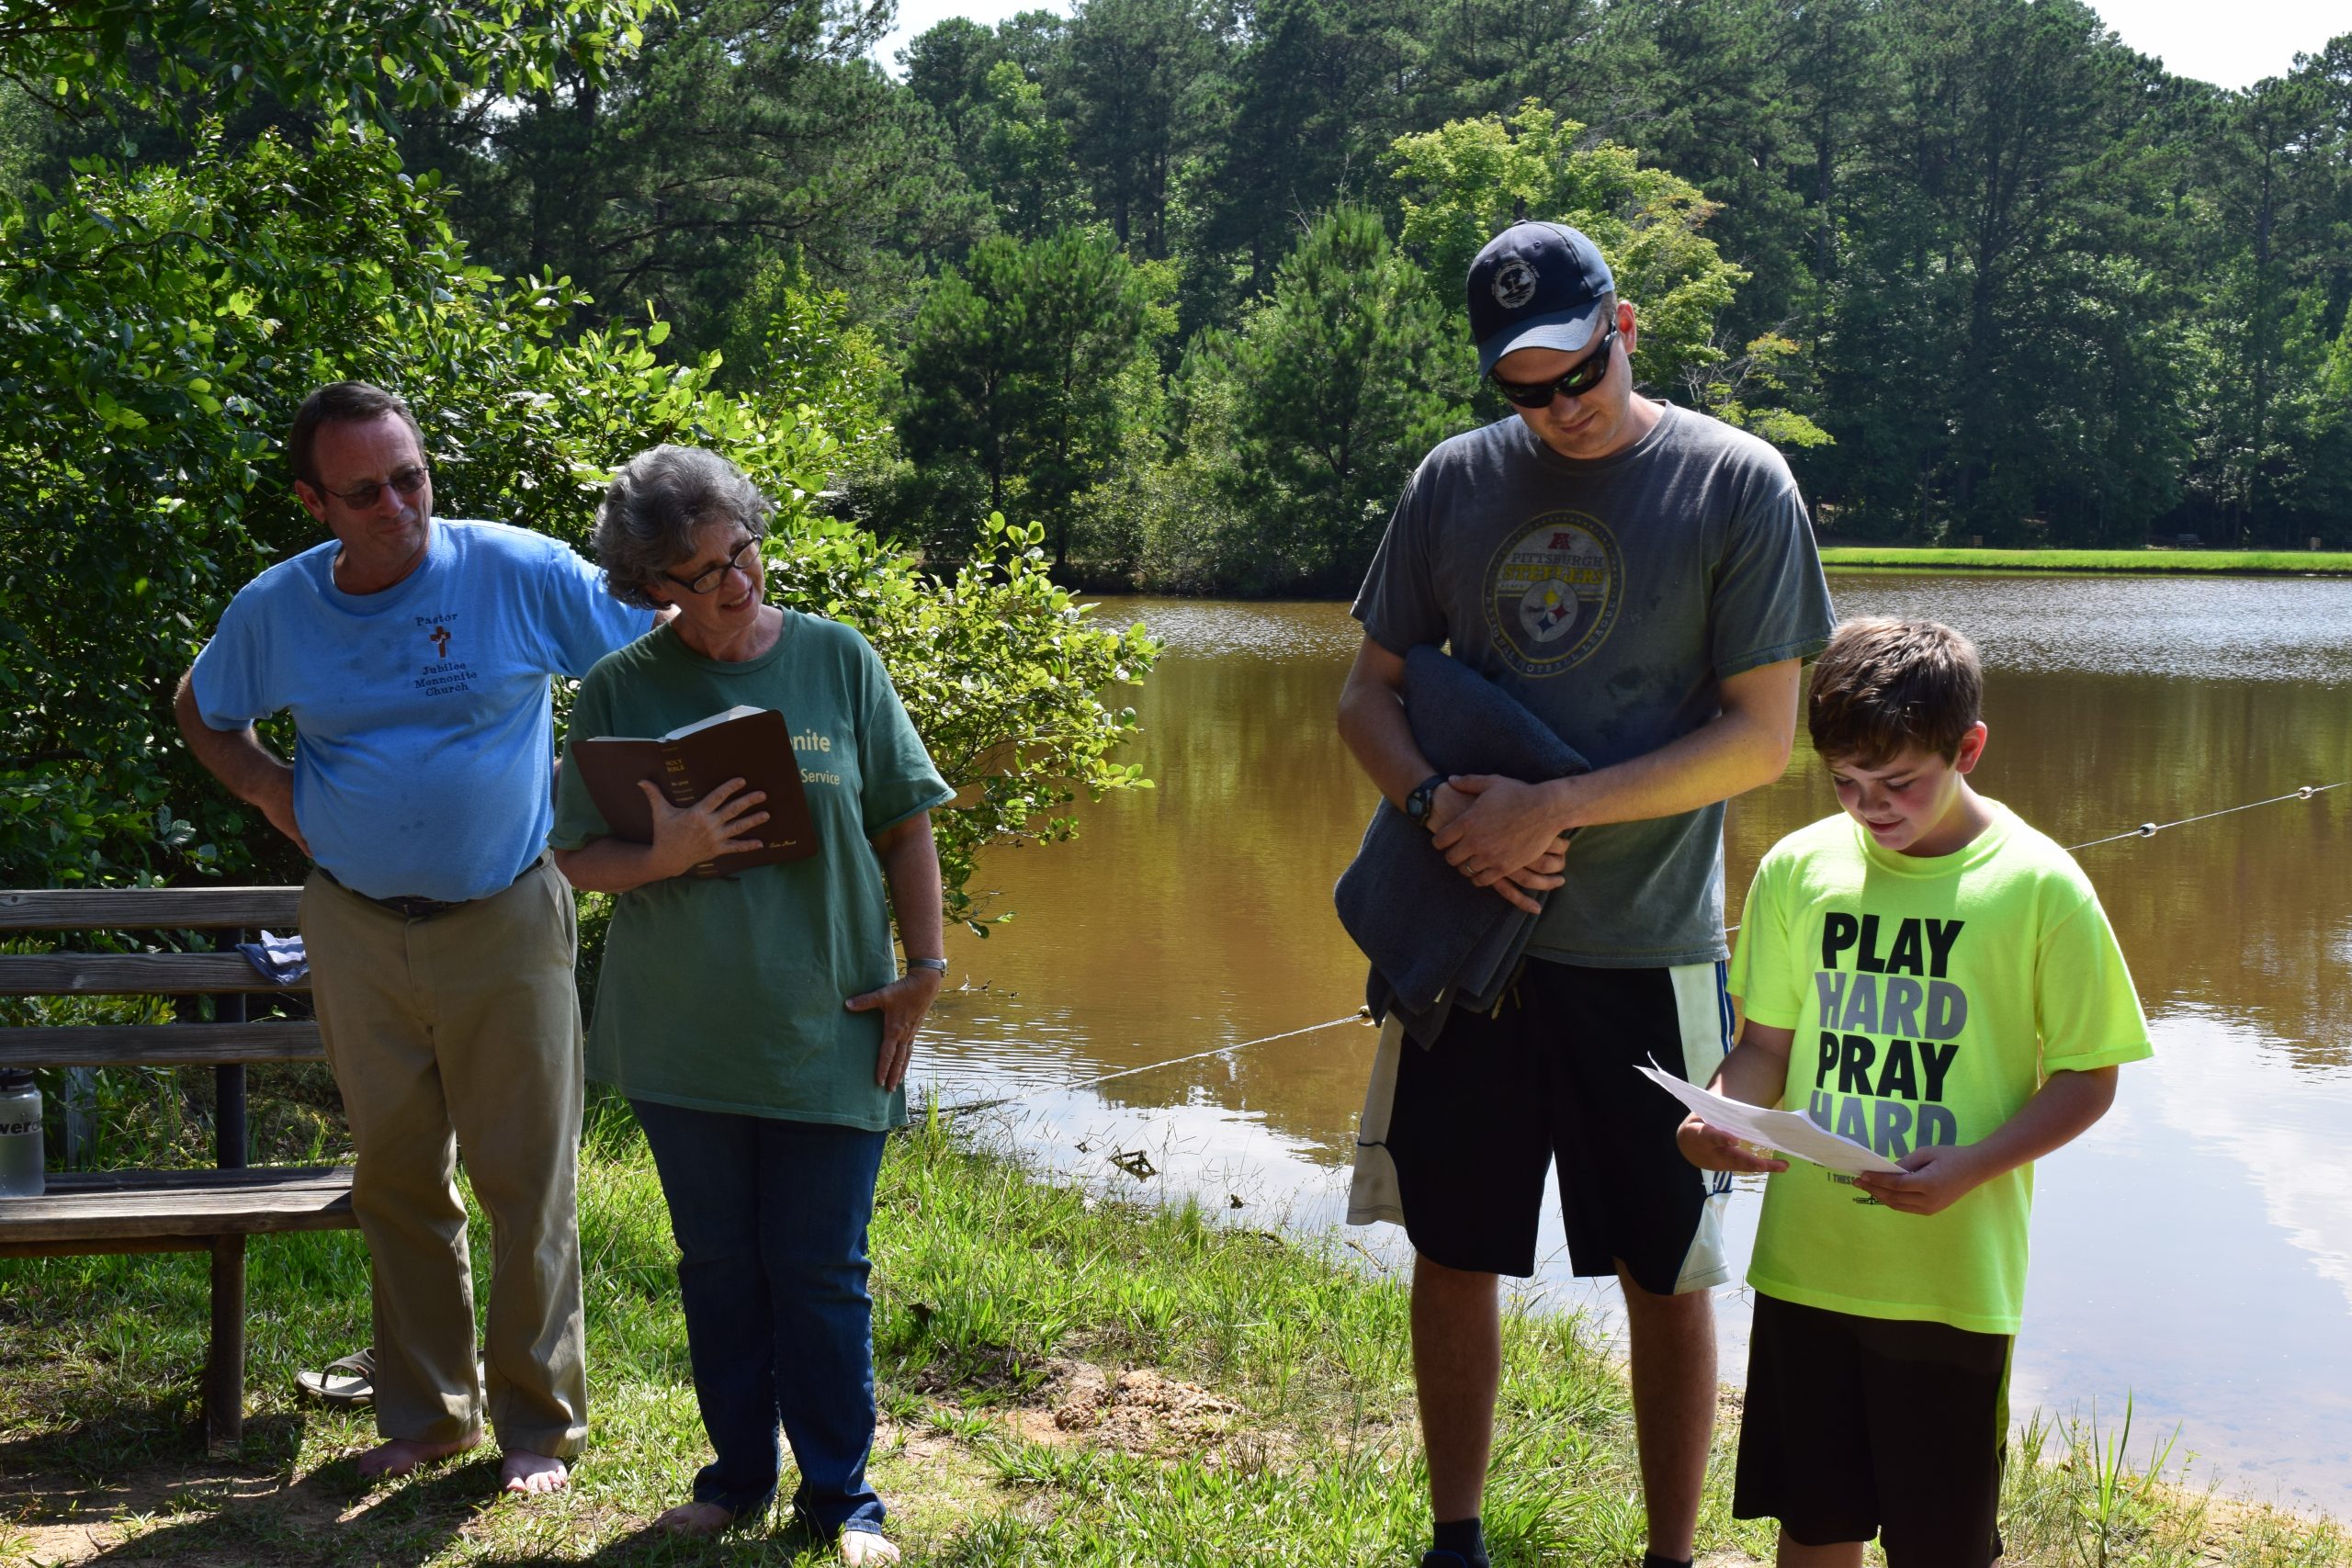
2225,563
1066,1380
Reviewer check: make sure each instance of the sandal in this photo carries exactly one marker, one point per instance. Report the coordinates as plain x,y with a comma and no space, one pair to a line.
348,1383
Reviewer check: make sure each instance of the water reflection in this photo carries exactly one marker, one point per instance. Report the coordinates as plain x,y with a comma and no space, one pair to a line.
2196,1249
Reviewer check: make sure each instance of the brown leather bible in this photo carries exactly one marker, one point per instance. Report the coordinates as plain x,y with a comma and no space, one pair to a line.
747,743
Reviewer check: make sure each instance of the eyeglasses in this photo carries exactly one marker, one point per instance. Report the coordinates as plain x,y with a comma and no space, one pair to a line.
1588,373
708,582
406,481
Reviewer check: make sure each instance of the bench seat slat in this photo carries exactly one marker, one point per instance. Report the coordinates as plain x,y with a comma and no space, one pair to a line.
131,975
99,1248
137,908
161,1044
117,1205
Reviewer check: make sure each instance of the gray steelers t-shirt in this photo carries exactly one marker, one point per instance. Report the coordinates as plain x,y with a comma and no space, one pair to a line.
1612,597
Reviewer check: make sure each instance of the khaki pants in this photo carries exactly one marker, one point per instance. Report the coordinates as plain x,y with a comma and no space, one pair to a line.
462,1032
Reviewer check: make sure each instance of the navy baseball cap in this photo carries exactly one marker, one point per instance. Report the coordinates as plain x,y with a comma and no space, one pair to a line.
1536,286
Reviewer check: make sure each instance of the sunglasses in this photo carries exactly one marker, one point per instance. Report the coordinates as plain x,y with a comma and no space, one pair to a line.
1588,373
407,481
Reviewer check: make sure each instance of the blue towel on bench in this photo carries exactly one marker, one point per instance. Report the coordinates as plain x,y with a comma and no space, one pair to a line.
1435,939
279,959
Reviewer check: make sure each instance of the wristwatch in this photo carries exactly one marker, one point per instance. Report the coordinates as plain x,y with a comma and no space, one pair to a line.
1417,805
937,966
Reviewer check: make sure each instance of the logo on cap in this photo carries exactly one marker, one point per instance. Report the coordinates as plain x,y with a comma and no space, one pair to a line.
1514,283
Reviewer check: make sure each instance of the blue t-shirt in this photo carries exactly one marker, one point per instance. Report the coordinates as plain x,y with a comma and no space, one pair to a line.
424,748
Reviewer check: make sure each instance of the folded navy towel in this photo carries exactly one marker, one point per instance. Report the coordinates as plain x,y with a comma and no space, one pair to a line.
279,959
1435,939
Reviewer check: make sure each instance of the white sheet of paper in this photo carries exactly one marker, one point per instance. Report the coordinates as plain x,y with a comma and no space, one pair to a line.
1786,1130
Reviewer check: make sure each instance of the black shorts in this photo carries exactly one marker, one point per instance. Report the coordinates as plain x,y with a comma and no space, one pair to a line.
1858,1426
1479,1115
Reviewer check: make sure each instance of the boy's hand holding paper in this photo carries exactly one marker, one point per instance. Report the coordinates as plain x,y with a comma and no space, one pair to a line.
1710,1147
1786,1130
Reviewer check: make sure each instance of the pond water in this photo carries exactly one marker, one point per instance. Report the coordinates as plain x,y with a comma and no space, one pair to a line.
2194,1252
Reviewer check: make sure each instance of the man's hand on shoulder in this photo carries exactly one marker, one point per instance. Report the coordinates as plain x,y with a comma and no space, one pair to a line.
1506,826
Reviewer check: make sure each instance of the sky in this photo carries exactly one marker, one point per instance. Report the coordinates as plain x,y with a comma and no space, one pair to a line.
2232,46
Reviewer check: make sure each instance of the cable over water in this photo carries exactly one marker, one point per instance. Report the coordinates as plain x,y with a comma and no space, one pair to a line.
1148,1066
2144,831
2150,829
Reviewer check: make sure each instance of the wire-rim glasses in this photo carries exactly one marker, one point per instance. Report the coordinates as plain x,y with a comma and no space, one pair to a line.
406,482
709,581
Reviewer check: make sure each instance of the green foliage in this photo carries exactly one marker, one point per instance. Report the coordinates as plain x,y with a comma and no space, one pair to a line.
1141,80
1013,376
2142,276
1467,180
370,56
157,330
1339,383
1728,389
22,125
742,131
1023,158
797,345
2006,355
1003,672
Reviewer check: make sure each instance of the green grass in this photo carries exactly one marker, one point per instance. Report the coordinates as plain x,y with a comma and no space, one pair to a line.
2244,563
1283,1377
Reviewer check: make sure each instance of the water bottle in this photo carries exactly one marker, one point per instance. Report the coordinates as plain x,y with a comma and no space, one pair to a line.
21,1147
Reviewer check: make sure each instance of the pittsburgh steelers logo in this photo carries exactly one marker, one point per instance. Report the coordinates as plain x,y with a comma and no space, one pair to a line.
1554,590
1514,284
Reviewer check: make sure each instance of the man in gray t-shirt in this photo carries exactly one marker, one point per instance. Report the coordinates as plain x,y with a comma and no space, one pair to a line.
1643,578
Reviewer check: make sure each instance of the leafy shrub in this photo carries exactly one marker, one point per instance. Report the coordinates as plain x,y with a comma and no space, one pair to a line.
158,328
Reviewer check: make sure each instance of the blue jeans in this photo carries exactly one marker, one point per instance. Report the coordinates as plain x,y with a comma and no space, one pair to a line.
770,1218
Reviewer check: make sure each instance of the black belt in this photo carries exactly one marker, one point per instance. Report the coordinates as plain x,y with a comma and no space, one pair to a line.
416,907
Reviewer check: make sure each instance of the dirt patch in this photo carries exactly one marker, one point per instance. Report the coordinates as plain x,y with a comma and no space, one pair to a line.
1143,1412
1137,1411
57,1519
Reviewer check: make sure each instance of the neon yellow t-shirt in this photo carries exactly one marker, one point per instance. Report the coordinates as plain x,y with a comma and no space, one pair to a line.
1929,996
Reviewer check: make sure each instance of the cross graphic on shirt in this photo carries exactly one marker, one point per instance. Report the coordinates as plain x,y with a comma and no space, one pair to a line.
441,642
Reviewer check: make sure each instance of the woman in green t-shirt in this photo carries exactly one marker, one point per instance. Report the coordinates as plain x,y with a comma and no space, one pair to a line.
758,1023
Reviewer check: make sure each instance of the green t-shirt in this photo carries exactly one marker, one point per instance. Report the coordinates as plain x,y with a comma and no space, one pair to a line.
1930,995
726,994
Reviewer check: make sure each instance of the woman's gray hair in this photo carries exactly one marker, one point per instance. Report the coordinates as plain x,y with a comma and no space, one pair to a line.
647,523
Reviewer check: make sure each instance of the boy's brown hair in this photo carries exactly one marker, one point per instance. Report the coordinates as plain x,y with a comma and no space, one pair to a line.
1882,684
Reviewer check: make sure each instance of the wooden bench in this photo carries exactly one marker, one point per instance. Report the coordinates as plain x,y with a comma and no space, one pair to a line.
178,1211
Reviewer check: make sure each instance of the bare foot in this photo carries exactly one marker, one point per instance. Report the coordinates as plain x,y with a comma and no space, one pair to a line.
864,1546
403,1454
694,1518
528,1474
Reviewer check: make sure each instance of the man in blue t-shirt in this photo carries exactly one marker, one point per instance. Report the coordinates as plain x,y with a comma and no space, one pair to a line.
1643,579
413,655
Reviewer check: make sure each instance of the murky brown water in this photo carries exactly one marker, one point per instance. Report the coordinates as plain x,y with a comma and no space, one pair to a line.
2194,1250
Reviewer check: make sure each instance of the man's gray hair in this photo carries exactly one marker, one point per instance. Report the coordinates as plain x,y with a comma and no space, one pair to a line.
647,523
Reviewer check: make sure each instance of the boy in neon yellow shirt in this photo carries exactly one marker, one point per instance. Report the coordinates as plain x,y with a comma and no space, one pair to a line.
1929,976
